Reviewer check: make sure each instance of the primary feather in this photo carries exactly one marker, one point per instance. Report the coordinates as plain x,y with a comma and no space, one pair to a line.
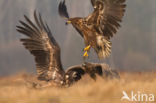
43,46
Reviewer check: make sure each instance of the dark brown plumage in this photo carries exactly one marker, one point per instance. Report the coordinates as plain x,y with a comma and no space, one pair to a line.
42,45
99,26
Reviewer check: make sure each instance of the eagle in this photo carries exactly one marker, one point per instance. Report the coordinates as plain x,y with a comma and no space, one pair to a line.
99,26
40,42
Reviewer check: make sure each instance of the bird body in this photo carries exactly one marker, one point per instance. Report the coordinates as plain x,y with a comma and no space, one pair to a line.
99,26
92,38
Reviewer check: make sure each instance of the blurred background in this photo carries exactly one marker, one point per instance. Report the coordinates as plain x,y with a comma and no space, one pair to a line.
133,47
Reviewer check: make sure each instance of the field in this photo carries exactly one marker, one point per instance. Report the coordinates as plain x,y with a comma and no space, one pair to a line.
13,89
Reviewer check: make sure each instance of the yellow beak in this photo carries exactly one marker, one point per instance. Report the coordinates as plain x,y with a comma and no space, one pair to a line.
68,22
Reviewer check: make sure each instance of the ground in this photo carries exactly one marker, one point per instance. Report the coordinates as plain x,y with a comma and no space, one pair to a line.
14,89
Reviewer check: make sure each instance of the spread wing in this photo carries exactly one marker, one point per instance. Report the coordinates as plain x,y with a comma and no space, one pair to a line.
107,16
42,45
62,10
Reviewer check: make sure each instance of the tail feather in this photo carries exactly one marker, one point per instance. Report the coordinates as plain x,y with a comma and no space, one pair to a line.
103,48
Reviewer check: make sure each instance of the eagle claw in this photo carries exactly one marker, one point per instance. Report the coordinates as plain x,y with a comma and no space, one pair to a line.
85,54
87,48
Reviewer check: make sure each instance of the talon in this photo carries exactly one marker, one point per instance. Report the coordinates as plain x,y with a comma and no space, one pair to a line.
85,54
87,48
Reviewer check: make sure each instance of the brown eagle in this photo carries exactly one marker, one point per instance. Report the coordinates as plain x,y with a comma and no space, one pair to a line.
99,26
42,45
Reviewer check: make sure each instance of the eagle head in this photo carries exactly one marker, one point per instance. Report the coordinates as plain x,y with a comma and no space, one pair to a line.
73,75
75,21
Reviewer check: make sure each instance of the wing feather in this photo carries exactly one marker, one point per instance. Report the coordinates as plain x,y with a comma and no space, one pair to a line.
62,10
42,45
107,15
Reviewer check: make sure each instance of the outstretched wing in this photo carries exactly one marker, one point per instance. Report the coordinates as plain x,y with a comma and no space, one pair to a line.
62,10
107,16
42,45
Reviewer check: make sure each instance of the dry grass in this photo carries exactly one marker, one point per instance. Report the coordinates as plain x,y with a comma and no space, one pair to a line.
14,90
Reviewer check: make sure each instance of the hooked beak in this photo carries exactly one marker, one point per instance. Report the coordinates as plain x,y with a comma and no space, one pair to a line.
68,22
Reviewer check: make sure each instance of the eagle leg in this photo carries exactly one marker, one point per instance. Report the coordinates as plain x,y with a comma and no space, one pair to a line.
85,54
86,49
